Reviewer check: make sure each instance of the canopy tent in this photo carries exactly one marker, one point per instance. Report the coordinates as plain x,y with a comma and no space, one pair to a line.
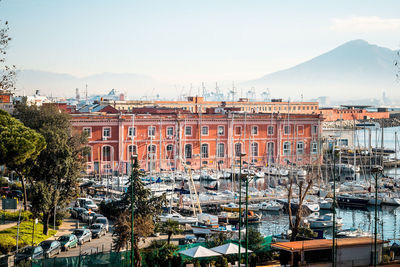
199,252
229,248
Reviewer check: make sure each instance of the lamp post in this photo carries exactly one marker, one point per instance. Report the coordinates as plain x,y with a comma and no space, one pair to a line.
376,170
132,211
240,202
247,220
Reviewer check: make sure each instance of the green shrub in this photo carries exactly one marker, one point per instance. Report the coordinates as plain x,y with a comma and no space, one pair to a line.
13,215
8,236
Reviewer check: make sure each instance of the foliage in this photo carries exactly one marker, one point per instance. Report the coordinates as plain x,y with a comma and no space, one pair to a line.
54,177
7,73
220,262
8,237
19,146
217,240
307,232
255,239
160,253
13,215
3,182
146,208
170,227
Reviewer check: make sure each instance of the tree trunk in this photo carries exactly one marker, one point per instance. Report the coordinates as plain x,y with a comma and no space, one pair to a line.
138,257
46,218
24,190
169,238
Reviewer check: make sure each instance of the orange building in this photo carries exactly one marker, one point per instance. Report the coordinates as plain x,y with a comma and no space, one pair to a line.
352,113
163,141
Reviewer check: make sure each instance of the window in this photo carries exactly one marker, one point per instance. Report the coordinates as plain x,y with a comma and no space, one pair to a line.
254,130
238,149
131,131
188,130
221,150
204,151
188,151
300,130
314,129
270,130
204,130
107,132
170,148
132,150
106,153
151,131
221,130
170,131
286,129
238,130
152,149
300,148
286,148
254,149
314,147
88,131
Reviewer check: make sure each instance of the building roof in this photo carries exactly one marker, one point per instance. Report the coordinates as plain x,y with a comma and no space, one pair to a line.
319,244
355,106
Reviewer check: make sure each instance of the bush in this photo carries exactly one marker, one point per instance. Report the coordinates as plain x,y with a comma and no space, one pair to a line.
8,236
13,215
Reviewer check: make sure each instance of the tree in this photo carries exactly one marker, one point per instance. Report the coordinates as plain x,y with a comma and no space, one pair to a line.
146,210
19,147
7,73
255,239
170,227
294,225
54,177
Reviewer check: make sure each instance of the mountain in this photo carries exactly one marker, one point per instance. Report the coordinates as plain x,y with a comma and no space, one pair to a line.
353,70
57,84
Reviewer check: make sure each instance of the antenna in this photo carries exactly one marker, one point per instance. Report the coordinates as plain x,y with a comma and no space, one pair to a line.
86,92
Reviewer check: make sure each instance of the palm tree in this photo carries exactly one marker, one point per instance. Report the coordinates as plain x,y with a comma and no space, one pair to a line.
170,227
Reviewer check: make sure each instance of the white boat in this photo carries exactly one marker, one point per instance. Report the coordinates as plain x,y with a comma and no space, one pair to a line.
326,204
178,218
270,206
323,221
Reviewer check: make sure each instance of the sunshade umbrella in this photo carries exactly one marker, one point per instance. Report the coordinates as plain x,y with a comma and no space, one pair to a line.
199,252
229,248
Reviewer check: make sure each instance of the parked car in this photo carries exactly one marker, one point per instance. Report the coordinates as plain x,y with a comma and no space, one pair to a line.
17,194
86,203
50,247
76,212
97,230
103,220
97,215
87,217
29,253
68,241
5,191
83,235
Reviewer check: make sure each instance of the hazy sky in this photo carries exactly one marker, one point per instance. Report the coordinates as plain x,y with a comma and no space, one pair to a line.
189,41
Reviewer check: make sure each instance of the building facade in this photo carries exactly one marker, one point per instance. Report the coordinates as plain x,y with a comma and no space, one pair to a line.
197,104
165,141
352,113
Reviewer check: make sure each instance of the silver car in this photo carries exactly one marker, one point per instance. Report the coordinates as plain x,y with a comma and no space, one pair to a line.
83,235
104,221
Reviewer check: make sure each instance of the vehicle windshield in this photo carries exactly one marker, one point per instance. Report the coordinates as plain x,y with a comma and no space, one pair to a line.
101,220
89,202
64,238
78,232
45,245
95,226
27,250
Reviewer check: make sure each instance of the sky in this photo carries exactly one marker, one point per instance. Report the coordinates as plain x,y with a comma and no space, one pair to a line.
186,40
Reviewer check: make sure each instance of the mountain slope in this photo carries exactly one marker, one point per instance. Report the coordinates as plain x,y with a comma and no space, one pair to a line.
351,70
56,84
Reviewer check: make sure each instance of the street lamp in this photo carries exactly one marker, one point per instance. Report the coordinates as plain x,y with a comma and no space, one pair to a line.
376,170
240,202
